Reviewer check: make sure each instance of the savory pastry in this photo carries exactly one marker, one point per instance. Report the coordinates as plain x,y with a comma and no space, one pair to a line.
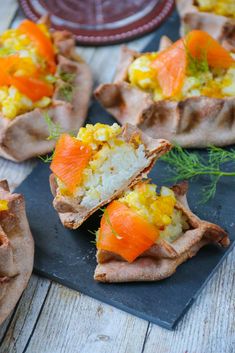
16,249
184,93
217,17
41,78
159,233
95,167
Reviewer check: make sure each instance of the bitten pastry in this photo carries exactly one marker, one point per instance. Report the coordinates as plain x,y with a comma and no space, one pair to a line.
16,249
95,167
145,236
41,76
184,93
217,17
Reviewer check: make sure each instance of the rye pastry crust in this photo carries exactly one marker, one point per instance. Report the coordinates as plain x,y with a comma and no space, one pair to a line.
192,122
26,135
220,27
16,251
163,258
72,214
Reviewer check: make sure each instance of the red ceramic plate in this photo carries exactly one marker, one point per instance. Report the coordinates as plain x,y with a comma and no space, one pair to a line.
99,22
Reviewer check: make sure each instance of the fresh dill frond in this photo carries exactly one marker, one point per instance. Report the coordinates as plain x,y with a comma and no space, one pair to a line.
51,79
187,165
67,87
196,65
47,158
94,233
54,129
68,77
65,92
106,214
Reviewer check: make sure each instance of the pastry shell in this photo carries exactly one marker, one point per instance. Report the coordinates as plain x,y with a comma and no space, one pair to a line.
72,214
192,122
222,28
163,258
26,135
16,251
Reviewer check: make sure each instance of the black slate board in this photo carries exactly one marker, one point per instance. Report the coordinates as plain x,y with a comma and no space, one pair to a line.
68,257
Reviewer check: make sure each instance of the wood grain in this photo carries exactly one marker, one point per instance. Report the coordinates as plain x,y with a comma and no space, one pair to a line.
72,322
7,13
25,316
209,326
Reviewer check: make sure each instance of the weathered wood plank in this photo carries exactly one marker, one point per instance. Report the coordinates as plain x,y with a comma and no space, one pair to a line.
8,10
25,316
209,324
15,173
103,60
72,322
4,327
22,325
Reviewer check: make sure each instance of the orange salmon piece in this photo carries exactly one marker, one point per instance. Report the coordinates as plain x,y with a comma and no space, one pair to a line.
70,158
123,232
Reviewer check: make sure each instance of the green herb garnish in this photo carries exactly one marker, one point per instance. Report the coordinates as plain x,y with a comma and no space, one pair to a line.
47,159
105,212
67,88
66,92
199,65
95,233
187,165
54,129
68,77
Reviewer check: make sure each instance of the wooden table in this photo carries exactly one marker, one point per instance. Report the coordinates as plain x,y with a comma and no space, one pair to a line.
50,318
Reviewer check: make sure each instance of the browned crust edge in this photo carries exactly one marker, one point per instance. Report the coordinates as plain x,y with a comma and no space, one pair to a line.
222,28
72,215
162,259
16,251
193,122
26,135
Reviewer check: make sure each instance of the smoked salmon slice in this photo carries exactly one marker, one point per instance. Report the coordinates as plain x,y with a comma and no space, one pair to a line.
170,66
70,158
200,44
123,232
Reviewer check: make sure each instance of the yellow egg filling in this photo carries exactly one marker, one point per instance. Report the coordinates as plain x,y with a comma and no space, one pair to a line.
214,83
13,42
3,205
113,162
219,7
157,209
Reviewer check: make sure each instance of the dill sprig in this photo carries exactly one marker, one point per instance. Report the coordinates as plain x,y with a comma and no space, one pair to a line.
66,92
94,233
47,159
107,218
54,129
196,65
67,88
68,77
187,165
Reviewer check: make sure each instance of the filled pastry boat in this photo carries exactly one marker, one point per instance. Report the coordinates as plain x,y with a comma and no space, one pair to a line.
97,165
184,93
145,235
16,249
217,17
41,77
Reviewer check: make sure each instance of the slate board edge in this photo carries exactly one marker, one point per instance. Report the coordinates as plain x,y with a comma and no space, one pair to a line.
118,305
212,274
125,308
168,325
